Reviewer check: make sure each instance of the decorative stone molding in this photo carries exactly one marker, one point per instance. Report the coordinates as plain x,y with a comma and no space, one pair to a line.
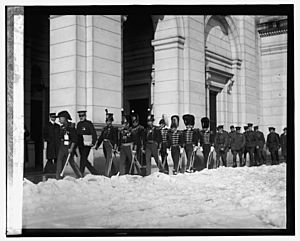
168,43
271,28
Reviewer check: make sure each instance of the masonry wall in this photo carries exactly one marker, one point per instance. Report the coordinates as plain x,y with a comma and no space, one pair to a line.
274,81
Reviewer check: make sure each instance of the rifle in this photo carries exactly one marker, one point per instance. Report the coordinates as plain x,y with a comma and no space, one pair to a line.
63,170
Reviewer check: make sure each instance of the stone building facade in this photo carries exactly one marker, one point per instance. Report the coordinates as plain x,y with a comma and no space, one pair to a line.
230,68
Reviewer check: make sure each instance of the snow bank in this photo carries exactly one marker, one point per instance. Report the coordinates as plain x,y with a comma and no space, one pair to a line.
240,197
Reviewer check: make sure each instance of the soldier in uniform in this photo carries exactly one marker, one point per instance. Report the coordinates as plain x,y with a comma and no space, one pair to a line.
190,139
222,145
260,142
206,139
283,143
237,145
245,152
164,144
68,142
273,144
51,136
137,133
232,131
250,143
87,138
152,144
175,143
109,137
125,145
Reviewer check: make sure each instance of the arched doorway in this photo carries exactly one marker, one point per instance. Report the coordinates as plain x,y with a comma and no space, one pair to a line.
221,64
138,59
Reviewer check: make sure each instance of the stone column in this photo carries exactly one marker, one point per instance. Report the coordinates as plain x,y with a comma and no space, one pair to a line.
168,62
85,65
67,64
15,122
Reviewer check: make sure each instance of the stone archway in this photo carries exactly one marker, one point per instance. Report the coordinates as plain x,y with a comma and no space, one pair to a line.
222,67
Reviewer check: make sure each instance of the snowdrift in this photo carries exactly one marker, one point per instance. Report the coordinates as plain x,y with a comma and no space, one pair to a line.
243,197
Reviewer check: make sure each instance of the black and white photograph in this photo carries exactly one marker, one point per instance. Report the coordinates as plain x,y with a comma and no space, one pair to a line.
146,120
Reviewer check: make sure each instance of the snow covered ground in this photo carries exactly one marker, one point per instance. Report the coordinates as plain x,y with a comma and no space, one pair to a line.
242,197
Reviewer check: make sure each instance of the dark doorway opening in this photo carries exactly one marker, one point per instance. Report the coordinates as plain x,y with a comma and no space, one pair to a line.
138,59
36,86
139,107
213,110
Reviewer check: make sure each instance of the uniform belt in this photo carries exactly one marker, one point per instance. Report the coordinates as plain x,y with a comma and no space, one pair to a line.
106,140
127,144
175,145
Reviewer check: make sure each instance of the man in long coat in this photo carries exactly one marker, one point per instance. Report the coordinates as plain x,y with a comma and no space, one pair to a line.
283,143
51,136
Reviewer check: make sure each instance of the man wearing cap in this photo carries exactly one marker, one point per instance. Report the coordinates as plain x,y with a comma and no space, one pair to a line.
152,144
273,144
232,132
175,143
125,145
51,137
137,133
260,142
86,139
250,143
206,139
109,137
164,144
221,145
283,143
237,144
68,142
190,140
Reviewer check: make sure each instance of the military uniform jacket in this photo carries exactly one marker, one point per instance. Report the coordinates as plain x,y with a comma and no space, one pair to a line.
138,136
206,137
273,141
109,133
237,141
174,138
125,135
283,144
190,136
231,134
260,139
250,139
52,137
70,130
86,127
164,135
152,134
222,141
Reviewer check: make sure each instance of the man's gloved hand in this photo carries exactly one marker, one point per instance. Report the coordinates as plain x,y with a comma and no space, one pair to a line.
181,150
212,148
201,148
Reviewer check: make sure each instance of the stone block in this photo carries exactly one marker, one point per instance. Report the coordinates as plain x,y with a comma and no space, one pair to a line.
63,49
105,51
63,97
168,74
167,53
170,85
62,21
106,66
107,23
107,98
63,80
168,63
167,97
63,64
105,37
63,34
106,81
